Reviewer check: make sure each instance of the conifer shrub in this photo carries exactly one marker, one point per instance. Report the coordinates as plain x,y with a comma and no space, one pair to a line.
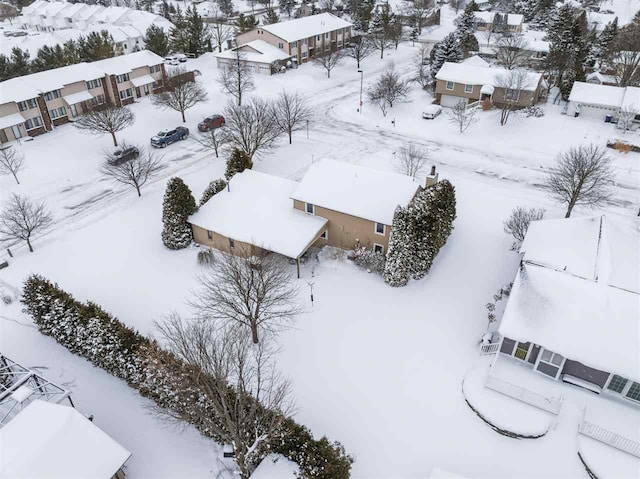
215,187
238,162
177,206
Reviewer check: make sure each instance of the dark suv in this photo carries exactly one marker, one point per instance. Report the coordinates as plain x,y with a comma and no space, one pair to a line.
167,137
122,154
211,123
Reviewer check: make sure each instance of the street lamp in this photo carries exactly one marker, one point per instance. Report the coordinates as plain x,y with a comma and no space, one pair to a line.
361,78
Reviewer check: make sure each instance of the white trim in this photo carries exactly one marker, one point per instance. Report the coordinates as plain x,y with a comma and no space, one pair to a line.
539,360
453,85
313,208
470,90
384,228
381,246
325,235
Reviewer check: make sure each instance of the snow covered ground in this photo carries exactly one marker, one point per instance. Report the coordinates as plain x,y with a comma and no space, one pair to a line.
376,368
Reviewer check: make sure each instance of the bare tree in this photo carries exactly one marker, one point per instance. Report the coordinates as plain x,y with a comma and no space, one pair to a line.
235,379
252,293
626,120
21,218
625,55
461,116
11,162
328,5
583,176
388,89
134,172
221,32
512,51
418,11
236,77
412,160
421,64
251,127
106,119
329,60
291,113
457,4
215,139
512,83
181,93
360,48
518,223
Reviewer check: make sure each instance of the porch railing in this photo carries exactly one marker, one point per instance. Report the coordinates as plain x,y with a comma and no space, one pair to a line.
490,348
534,399
611,438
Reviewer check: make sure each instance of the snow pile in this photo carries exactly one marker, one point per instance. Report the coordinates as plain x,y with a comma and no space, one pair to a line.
55,441
306,27
355,190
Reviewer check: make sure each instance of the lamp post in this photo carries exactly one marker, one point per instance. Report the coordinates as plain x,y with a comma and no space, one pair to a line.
361,78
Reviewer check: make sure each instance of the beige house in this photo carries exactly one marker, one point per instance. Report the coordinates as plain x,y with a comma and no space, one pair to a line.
303,38
486,20
37,103
259,56
470,83
336,204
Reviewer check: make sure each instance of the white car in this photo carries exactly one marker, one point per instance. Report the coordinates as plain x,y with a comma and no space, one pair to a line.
431,111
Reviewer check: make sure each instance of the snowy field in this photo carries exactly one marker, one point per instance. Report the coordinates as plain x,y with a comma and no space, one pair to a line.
376,368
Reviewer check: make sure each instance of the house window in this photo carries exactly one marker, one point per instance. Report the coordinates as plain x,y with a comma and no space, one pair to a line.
318,37
468,88
294,45
51,95
634,392
27,104
449,85
33,123
304,54
324,235
232,244
339,43
155,68
122,78
209,235
58,112
512,95
281,46
94,83
380,229
327,35
522,350
309,208
378,248
124,94
550,363
617,384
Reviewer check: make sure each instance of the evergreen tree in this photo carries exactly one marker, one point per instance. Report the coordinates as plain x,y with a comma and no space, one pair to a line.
271,17
245,23
165,11
197,34
177,206
19,63
215,187
397,267
287,6
238,162
414,35
156,40
5,68
96,46
472,6
465,32
48,58
543,13
178,36
71,53
601,49
448,50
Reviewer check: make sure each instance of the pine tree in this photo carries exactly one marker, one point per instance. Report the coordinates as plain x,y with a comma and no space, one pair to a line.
48,58
178,35
198,35
177,206
472,6
156,40
271,17
414,35
226,7
448,50
96,46
543,13
466,32
71,53
287,6
397,267
19,62
245,23
238,162
600,51
215,187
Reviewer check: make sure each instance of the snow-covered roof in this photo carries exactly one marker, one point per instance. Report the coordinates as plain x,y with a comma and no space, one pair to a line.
305,27
126,63
78,97
478,75
631,98
600,78
52,441
355,190
487,17
257,51
276,466
592,94
11,120
257,209
476,61
577,292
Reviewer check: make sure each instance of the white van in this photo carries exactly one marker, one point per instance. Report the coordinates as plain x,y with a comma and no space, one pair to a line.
431,111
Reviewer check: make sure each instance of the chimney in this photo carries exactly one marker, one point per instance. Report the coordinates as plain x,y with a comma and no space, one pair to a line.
432,178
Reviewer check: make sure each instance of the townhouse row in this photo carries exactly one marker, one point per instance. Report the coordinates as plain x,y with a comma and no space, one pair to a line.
37,103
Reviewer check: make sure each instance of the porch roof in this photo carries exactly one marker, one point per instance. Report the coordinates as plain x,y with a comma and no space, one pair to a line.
11,120
142,80
81,96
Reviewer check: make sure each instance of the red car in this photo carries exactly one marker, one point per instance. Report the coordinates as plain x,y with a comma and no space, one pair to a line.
211,123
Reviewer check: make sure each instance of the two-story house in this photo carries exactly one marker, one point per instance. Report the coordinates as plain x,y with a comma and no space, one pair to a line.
303,38
336,204
466,82
511,22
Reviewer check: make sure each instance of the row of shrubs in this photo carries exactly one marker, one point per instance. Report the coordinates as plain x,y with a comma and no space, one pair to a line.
89,331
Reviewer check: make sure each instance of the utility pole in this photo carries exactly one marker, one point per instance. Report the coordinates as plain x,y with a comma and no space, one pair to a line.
361,79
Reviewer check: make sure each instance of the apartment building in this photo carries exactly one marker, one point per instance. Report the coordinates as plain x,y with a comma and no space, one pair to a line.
37,103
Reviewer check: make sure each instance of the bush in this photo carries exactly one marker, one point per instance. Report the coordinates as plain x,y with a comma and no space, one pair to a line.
215,187
518,223
6,299
89,331
238,162
205,256
533,110
368,259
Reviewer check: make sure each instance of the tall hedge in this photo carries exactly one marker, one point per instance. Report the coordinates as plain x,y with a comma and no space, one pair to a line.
88,331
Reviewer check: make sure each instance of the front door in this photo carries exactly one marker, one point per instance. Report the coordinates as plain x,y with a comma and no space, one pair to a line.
146,89
16,131
74,111
138,95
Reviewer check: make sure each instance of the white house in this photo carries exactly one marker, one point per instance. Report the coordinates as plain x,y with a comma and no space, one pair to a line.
604,102
260,56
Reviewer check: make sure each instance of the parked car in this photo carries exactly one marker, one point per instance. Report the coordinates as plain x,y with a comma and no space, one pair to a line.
121,155
431,111
167,137
211,123
171,60
181,57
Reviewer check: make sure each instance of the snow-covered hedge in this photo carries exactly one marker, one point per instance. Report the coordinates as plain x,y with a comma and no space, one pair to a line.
368,259
89,331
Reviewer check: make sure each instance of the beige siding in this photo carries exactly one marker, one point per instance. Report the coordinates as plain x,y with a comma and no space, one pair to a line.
526,98
219,242
260,34
458,90
346,230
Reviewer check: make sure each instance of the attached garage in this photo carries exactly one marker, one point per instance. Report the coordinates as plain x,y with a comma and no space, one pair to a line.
594,112
449,101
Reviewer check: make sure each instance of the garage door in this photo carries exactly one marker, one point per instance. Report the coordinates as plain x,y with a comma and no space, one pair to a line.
595,112
450,101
